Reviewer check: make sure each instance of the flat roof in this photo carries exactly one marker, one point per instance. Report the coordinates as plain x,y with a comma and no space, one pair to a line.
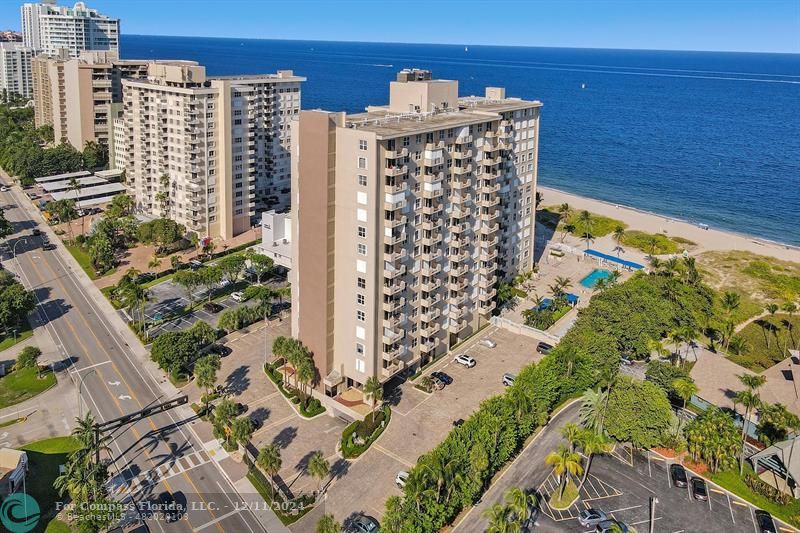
60,177
113,173
62,185
471,110
107,189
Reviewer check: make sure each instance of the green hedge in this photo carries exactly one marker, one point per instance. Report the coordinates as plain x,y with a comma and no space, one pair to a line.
369,429
310,408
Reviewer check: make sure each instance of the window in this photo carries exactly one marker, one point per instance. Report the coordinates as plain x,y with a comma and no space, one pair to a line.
362,145
360,299
362,180
362,283
361,366
362,249
360,349
361,315
362,162
362,232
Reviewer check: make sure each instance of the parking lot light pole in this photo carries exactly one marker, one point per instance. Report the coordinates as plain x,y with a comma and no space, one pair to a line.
653,502
80,386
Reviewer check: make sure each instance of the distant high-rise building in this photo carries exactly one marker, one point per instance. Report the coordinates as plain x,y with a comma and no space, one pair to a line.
49,28
10,36
209,153
404,218
15,68
75,95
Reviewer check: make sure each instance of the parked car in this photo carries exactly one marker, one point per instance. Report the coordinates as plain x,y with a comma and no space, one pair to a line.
256,422
48,246
441,376
678,475
194,264
464,359
401,478
144,277
238,296
3,189
626,360
508,379
458,423
212,307
438,384
699,490
544,348
488,343
364,524
220,350
611,526
765,522
591,517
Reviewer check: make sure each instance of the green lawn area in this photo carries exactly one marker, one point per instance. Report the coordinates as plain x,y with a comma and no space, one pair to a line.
22,384
731,481
9,341
57,526
570,493
83,259
45,456
748,307
660,245
600,225
767,340
765,278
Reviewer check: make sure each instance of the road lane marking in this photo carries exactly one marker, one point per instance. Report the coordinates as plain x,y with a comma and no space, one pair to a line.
625,509
730,508
124,397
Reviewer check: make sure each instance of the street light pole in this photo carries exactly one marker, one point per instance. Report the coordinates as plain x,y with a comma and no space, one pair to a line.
80,386
653,502
14,248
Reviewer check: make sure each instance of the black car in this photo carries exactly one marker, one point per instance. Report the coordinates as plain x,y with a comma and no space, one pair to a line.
544,348
255,422
458,423
441,376
144,277
212,307
48,246
699,490
678,475
364,524
220,350
765,522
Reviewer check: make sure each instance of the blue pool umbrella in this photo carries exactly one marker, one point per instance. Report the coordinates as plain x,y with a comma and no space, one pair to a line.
546,303
612,259
572,299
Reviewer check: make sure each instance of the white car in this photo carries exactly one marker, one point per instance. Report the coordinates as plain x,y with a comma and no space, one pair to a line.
3,189
237,296
488,343
508,379
464,359
401,479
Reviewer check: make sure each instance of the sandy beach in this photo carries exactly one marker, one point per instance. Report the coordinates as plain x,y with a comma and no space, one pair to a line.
710,239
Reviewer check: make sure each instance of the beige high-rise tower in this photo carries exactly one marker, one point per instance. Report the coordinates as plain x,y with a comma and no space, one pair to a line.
404,219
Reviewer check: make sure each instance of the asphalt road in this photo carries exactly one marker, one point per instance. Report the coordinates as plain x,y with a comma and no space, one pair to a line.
114,383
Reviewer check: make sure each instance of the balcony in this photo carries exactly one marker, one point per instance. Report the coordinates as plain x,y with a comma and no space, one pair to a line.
490,214
457,326
430,300
431,240
395,256
492,201
462,198
460,171
394,321
391,336
430,224
457,285
394,203
456,313
429,346
487,308
433,177
488,243
457,299
393,304
397,187
431,209
431,285
396,154
395,237
393,272
489,189
393,287
396,170
431,193
488,229
464,153
430,330
488,255
396,221
430,315
487,283
488,295
460,211
434,146
460,271
461,184
464,139
487,269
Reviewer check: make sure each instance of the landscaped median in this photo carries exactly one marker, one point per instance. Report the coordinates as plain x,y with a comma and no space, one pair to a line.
359,436
26,380
306,405
287,511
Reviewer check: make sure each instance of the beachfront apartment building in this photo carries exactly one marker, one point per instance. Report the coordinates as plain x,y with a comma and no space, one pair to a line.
15,69
51,29
209,153
75,95
404,218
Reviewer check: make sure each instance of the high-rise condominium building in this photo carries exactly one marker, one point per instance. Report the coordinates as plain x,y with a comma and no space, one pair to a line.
75,95
404,218
48,29
15,68
209,153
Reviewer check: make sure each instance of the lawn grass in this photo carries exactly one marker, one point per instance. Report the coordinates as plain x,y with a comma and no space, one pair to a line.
767,340
25,333
44,457
600,225
731,481
57,526
642,241
23,384
570,493
748,307
83,259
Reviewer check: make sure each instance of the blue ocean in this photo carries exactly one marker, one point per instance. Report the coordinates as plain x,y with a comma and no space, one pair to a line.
708,137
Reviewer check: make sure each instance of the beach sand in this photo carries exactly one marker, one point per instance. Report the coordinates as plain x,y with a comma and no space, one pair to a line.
710,239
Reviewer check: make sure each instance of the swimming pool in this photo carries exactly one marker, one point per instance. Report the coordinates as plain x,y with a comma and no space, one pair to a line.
594,276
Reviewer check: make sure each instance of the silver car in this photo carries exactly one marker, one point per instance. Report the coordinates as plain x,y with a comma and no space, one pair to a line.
488,343
508,379
591,517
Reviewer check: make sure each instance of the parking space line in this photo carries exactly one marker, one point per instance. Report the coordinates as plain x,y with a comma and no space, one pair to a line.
730,508
392,455
624,509
753,518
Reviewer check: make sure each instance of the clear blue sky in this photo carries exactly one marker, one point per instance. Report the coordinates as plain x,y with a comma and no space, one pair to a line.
730,25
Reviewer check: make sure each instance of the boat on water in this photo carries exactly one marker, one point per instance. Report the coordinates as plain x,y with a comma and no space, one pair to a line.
583,85
466,48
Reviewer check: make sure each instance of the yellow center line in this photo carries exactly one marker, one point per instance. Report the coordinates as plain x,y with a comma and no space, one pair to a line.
116,400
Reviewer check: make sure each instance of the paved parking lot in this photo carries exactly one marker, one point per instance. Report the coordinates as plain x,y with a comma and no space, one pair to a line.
420,421
622,491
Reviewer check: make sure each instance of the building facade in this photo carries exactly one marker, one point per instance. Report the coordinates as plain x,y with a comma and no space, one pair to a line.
15,69
75,95
404,219
50,29
209,153
276,238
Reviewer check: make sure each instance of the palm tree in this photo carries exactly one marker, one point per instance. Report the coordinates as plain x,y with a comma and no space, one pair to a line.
750,400
175,261
586,221
592,443
619,235
269,460
440,470
771,309
737,345
593,409
566,228
657,347
685,388
563,283
392,521
373,389
520,503
790,308
328,524
500,519
305,373
417,489
319,468
564,463
571,432
652,244
728,328
564,210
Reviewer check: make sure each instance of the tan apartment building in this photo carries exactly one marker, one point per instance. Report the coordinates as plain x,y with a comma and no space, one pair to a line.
209,153
404,219
75,95
15,69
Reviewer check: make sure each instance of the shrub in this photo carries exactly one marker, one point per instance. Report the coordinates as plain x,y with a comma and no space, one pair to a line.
766,490
27,358
368,430
664,375
240,317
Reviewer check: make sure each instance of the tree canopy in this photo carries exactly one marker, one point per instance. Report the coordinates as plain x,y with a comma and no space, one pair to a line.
638,412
